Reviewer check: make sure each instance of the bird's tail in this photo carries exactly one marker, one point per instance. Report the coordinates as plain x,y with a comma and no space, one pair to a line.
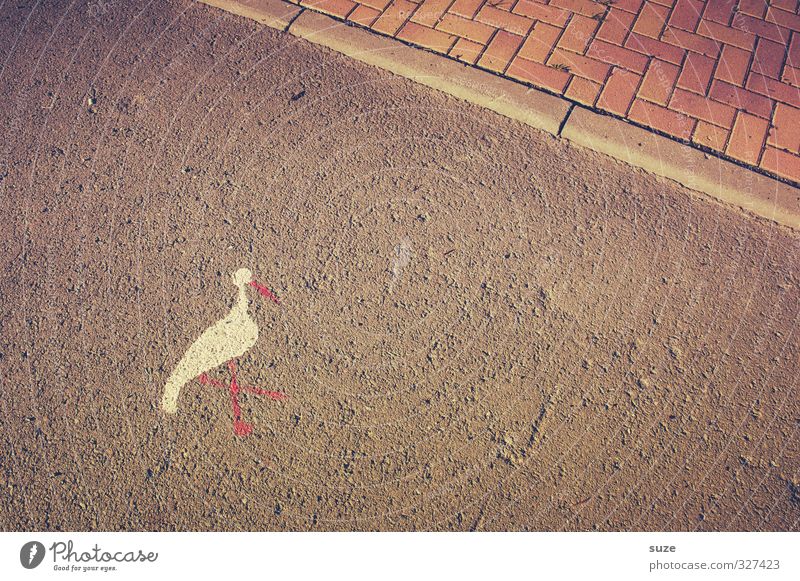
169,401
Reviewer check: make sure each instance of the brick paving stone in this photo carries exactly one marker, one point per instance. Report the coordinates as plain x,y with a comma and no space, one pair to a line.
651,47
659,82
619,91
686,14
773,89
741,98
700,108
710,136
651,20
364,15
584,7
379,5
720,11
617,55
466,8
429,13
616,26
504,20
696,73
583,91
768,58
500,51
691,41
781,162
721,74
758,27
665,120
747,138
632,6
784,18
793,57
755,8
506,5
466,50
789,5
791,75
726,34
469,29
538,74
578,33
394,16
427,37
784,133
549,14
580,65
540,42
733,65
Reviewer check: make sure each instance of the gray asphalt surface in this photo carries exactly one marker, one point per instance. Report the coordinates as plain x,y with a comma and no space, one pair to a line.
481,327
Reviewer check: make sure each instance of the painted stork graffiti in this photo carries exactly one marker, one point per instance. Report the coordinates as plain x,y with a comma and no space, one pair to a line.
222,343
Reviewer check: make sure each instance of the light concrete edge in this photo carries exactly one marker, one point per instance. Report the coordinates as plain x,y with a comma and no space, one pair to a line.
274,13
721,179
716,177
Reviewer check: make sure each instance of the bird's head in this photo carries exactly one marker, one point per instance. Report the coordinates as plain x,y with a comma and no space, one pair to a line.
242,277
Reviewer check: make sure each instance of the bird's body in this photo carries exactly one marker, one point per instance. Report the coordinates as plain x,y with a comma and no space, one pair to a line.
224,341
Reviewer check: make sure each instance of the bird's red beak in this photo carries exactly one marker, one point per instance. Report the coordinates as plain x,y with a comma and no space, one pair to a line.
265,292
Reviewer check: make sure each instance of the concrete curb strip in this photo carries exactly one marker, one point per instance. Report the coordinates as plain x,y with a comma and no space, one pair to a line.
721,179
690,167
273,13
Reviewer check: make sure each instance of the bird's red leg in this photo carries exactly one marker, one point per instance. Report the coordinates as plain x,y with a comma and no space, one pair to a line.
206,380
276,395
239,427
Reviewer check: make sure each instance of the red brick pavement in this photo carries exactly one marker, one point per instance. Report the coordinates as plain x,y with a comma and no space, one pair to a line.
722,74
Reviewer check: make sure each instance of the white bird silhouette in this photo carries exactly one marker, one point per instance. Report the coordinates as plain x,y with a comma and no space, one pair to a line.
223,342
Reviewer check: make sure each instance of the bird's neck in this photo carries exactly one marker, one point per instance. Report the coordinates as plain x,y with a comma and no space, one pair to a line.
241,301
